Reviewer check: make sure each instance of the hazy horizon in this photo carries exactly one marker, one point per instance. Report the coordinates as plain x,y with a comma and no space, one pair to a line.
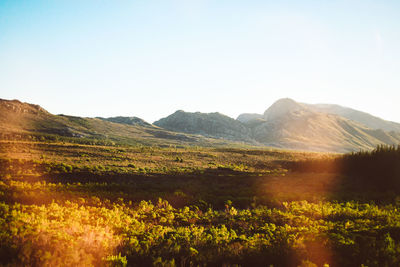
149,59
244,112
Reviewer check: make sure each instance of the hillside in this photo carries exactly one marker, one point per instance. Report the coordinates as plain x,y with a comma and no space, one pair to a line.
214,125
358,116
127,120
294,125
25,121
248,117
285,124
307,130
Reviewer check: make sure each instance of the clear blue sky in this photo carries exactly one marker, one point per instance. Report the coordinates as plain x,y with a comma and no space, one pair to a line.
150,58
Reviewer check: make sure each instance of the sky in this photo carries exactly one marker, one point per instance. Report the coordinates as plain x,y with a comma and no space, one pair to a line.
151,58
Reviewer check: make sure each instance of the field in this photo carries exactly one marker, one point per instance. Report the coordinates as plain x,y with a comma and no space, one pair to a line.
71,204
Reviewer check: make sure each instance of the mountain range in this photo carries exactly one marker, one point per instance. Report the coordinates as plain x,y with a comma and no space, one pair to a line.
292,125
27,121
285,124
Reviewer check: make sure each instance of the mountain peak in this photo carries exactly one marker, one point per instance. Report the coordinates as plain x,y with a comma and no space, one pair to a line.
285,100
18,107
214,125
127,120
281,107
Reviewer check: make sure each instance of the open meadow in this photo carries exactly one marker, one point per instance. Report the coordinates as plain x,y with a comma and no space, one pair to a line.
81,205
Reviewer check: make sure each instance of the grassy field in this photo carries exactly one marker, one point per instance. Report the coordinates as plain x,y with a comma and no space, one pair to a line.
71,204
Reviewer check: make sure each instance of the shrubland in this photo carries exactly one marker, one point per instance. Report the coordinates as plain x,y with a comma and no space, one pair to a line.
69,204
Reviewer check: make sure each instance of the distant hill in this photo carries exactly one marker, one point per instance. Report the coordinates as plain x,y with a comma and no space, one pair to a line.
214,125
23,120
127,120
297,127
248,117
358,116
283,107
286,124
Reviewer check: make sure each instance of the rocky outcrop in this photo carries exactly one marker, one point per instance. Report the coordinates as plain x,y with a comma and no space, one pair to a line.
214,125
127,120
286,124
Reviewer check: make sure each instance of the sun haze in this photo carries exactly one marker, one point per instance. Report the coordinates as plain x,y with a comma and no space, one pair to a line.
150,58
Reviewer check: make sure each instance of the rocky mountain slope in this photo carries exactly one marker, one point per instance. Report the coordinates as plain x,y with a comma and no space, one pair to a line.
127,120
207,124
358,116
248,117
310,130
286,124
23,120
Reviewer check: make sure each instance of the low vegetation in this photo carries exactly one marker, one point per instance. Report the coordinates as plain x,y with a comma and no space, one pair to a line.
74,204
366,170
